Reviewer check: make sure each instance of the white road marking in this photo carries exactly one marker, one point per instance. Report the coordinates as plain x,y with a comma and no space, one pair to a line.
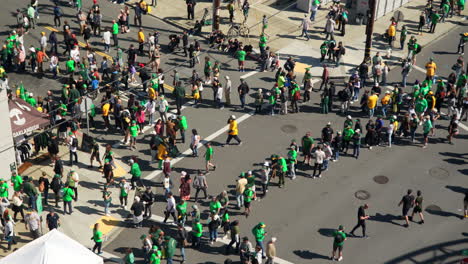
462,126
247,75
419,68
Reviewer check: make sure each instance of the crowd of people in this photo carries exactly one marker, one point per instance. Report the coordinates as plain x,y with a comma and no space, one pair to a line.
398,114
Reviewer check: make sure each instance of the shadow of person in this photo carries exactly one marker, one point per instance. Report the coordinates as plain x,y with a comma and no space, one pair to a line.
306,254
388,218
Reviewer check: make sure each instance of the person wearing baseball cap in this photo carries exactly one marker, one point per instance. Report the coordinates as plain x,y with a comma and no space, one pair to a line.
339,236
259,233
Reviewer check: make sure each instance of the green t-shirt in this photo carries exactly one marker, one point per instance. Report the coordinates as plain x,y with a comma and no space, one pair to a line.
307,142
135,170
208,66
282,163
248,195
263,41
4,190
292,156
123,191
155,257
209,153
134,130
97,236
115,29
214,206
70,65
339,238
181,209
17,182
130,258
68,194
240,54
183,123
197,229
427,126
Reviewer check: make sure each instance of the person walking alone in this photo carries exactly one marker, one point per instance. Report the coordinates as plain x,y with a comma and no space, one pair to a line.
97,238
233,131
362,217
338,242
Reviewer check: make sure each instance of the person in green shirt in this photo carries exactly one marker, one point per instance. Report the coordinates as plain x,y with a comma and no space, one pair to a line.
292,159
133,134
67,195
70,64
115,33
129,257
323,50
240,55
170,245
209,157
420,105
434,20
215,205
283,168
259,233
155,257
348,133
427,126
17,182
403,34
307,143
249,195
339,238
31,191
97,238
262,43
3,189
197,231
183,126
207,70
31,100
136,173
181,209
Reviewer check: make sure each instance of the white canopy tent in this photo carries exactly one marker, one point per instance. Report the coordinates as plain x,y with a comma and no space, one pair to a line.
52,248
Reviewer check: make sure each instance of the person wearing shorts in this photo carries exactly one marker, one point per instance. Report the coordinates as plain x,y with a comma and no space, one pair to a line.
240,55
407,201
339,237
418,207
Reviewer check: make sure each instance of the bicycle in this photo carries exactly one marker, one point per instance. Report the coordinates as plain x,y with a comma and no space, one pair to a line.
238,29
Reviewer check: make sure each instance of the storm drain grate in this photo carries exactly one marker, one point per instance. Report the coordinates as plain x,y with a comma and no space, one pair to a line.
439,173
380,179
289,129
362,195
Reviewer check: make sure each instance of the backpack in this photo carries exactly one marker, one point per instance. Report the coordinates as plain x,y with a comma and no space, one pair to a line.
197,182
297,95
57,11
339,238
75,143
418,49
61,193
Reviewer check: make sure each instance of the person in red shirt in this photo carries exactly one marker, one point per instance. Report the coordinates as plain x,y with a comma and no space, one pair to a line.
40,55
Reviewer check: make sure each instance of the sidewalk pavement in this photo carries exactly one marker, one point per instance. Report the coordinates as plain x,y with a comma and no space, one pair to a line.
284,29
89,209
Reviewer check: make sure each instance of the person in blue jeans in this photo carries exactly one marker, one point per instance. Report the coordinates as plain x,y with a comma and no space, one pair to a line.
213,226
356,139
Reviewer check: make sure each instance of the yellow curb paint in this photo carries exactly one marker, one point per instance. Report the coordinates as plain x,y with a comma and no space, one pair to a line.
106,224
301,67
52,29
119,171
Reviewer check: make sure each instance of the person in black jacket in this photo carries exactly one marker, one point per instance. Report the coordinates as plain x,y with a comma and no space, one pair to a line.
53,148
148,198
58,167
56,185
44,181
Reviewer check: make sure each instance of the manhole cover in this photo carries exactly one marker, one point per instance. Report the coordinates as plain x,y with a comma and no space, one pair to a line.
289,129
439,173
433,208
380,179
362,195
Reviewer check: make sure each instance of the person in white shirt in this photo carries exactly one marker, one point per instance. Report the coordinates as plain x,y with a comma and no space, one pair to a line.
163,106
305,27
9,232
150,107
72,143
330,28
170,208
106,38
328,154
390,129
219,96
194,142
75,54
319,157
227,90
43,41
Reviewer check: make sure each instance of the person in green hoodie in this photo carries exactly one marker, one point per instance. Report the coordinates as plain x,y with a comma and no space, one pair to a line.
259,233
183,126
338,241
17,182
434,20
197,231
170,245
136,173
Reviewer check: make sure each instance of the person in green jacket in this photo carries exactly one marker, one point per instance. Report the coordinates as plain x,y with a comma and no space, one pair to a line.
197,231
67,195
183,126
155,257
129,257
17,182
136,173
97,238
170,245
3,189
339,238
181,209
283,168
259,233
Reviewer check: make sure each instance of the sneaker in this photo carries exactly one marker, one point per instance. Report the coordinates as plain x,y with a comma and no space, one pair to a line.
319,176
214,167
340,258
240,143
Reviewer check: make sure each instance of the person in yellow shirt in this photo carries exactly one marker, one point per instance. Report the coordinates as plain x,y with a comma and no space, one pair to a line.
141,41
385,103
391,31
105,113
431,68
233,131
372,103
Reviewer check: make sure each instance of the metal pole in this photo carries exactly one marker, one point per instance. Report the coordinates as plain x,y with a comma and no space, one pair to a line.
370,28
87,114
216,18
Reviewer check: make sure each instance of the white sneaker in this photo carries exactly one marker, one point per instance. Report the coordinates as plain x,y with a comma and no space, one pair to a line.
340,258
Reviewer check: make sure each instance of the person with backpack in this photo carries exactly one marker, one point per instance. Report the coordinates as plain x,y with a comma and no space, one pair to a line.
56,186
339,237
67,194
73,147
